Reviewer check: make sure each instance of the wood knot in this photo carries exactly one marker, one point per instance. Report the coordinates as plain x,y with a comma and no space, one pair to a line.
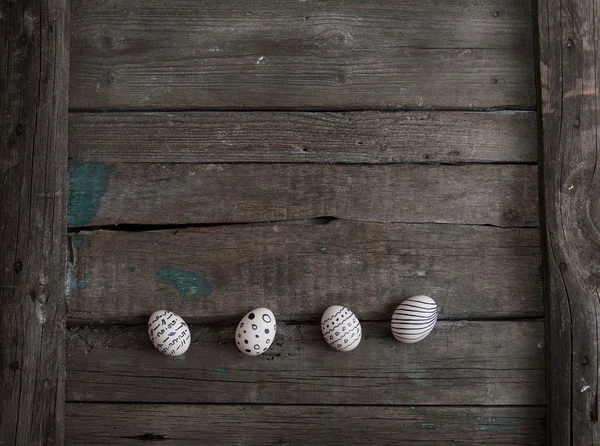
510,216
585,360
496,13
569,43
107,79
18,267
340,77
577,123
14,365
41,294
562,266
23,40
494,80
19,129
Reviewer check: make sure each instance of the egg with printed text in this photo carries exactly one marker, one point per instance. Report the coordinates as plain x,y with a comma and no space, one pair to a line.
255,332
169,333
414,319
341,328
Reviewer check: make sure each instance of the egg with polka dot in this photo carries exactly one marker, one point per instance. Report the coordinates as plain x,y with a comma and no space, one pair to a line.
341,328
255,332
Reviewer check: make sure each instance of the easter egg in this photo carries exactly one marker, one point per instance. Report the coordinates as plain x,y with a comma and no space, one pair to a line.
341,328
414,319
256,331
169,333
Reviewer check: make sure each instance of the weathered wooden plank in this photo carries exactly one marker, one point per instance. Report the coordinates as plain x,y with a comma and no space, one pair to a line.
313,54
33,200
219,273
474,363
139,424
357,137
569,66
107,194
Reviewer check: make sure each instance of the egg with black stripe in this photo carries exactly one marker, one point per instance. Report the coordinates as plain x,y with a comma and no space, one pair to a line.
255,332
169,333
341,328
414,319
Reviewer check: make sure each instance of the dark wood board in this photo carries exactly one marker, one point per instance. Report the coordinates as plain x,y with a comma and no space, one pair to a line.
285,425
352,137
220,273
570,119
460,363
33,228
223,54
142,193
141,424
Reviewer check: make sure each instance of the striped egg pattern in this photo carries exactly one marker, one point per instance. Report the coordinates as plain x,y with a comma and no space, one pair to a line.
341,328
169,333
414,319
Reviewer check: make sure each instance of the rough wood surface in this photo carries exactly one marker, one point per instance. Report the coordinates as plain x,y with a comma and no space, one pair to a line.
140,424
33,196
312,54
220,273
143,193
358,137
472,363
569,67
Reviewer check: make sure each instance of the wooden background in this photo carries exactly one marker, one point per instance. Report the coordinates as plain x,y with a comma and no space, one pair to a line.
227,155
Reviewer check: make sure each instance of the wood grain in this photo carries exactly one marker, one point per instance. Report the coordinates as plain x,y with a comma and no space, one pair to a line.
290,425
569,66
109,194
317,55
33,201
473,363
220,273
355,137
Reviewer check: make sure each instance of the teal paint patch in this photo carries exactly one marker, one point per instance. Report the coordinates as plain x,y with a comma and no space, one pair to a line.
429,426
412,407
94,257
180,357
496,424
88,183
323,250
189,284
219,372
77,284
416,375
131,269
308,270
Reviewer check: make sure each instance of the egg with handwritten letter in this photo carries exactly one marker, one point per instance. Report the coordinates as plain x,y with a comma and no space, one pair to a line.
341,328
255,332
414,319
169,333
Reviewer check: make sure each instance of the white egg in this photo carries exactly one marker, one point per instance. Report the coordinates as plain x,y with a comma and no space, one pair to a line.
414,319
341,328
256,331
169,333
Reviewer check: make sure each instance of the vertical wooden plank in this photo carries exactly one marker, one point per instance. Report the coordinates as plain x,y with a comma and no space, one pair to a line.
33,161
568,71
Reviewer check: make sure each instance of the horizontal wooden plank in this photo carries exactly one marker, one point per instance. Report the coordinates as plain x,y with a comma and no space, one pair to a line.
220,273
108,194
139,424
312,54
356,137
472,363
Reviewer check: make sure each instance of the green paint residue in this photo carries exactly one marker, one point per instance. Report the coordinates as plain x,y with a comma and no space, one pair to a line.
416,375
308,270
88,183
180,357
323,250
131,269
219,372
189,284
428,425
496,424
412,407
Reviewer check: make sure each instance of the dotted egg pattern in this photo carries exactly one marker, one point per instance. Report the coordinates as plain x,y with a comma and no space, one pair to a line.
414,319
169,333
342,330
250,336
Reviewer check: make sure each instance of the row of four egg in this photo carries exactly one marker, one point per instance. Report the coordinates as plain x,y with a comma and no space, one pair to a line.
411,322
